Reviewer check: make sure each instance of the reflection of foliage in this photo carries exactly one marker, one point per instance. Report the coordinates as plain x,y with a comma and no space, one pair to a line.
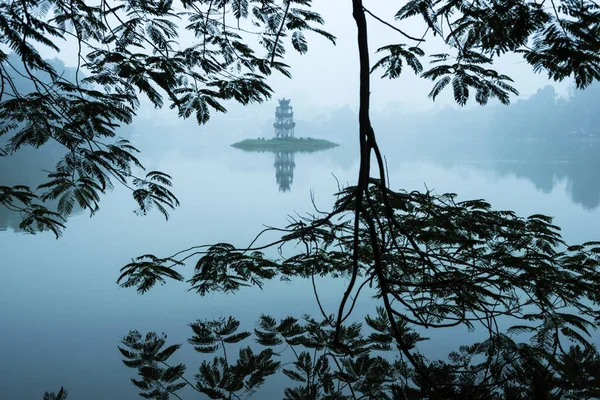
61,395
443,264
543,139
432,262
435,263
147,355
320,371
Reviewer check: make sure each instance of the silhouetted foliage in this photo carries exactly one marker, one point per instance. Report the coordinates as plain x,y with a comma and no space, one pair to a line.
128,48
61,395
560,39
431,261
444,264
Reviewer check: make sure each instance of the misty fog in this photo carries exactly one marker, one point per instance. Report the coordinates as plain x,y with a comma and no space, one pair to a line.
61,313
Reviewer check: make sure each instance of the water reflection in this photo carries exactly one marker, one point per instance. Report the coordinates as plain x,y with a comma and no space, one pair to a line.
284,170
38,305
284,165
546,164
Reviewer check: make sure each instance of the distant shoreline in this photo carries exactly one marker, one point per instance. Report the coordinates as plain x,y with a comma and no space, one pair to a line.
289,144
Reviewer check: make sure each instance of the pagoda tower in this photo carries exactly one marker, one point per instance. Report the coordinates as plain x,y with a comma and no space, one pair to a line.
284,120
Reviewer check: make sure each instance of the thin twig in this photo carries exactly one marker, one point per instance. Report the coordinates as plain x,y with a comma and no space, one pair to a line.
393,27
287,8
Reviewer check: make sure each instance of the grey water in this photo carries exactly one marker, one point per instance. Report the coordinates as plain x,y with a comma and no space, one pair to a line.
62,314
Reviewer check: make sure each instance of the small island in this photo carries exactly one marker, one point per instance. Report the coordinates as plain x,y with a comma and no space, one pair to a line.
284,139
287,144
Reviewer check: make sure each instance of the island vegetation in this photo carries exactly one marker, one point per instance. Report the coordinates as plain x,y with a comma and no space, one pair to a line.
287,144
284,139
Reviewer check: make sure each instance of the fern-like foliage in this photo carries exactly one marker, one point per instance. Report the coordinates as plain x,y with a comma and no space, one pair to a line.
61,395
37,218
149,357
444,264
430,261
131,48
146,271
560,38
319,370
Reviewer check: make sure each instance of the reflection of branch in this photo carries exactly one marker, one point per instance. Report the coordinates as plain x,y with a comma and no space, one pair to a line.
312,277
190,384
393,27
341,369
356,296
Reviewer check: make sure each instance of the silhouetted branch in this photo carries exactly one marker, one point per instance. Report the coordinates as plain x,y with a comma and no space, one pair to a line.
393,27
287,8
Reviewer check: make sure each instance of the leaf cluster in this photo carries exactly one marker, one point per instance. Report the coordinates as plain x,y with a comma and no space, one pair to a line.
61,395
129,49
317,369
444,263
559,37
148,356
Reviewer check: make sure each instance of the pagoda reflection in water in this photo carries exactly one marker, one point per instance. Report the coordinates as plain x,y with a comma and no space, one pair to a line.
284,170
283,144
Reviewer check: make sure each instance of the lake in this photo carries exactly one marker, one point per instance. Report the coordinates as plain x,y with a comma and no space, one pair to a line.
62,314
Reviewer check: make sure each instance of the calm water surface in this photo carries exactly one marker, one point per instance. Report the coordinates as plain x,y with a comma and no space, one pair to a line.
62,315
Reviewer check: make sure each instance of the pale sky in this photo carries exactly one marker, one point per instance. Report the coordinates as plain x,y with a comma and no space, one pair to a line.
327,76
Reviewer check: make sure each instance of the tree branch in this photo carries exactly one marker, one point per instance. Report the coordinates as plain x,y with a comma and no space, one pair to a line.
287,8
393,27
